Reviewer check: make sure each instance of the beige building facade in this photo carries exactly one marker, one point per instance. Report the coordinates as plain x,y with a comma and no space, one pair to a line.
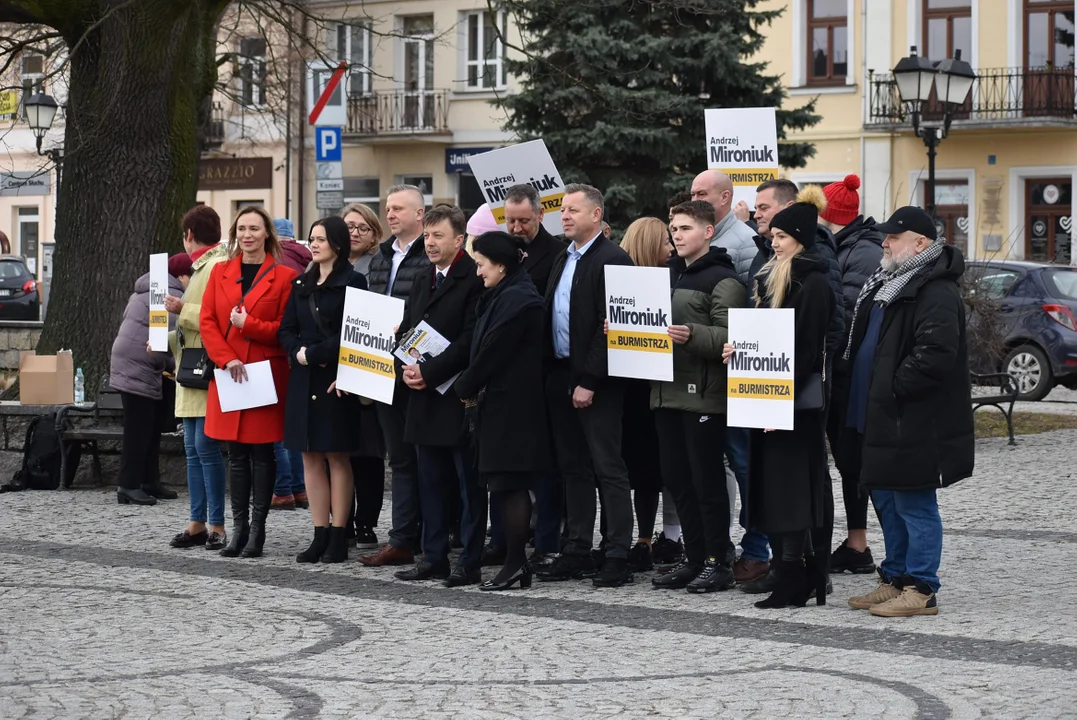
1005,174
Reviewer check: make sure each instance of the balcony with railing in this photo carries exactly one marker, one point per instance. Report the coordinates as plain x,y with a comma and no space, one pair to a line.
1000,97
398,112
213,129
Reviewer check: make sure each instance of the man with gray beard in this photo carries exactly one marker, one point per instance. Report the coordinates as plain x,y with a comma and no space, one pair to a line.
910,400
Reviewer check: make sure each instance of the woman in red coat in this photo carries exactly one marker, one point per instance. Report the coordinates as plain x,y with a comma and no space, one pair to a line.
241,313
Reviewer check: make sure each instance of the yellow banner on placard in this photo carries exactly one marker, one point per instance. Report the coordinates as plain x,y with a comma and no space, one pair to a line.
640,341
9,102
759,389
751,177
158,318
550,203
367,363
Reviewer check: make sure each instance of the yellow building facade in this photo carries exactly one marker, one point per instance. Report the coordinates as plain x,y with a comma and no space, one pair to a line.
419,98
1006,172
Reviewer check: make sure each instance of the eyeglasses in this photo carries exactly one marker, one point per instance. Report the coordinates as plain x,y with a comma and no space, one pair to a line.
361,229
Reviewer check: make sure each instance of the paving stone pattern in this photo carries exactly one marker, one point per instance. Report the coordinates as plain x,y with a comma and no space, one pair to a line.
103,620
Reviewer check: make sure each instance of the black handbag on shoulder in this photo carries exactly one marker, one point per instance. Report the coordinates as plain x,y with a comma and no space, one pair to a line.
809,395
195,368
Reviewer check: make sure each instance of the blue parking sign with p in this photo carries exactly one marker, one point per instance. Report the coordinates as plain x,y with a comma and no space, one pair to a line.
328,144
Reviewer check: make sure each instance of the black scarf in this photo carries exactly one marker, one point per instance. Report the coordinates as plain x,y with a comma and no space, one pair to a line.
502,304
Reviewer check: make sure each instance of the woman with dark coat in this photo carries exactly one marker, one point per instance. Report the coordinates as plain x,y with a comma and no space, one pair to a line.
503,387
138,376
322,423
788,473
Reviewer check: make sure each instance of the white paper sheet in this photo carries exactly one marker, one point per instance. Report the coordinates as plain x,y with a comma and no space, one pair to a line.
257,390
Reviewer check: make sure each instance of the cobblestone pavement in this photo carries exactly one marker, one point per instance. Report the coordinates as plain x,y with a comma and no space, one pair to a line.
102,620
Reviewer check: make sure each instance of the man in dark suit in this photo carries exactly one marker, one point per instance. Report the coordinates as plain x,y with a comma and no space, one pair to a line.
584,403
444,298
523,216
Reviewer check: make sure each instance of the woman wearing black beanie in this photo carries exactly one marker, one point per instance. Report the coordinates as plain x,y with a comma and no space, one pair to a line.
502,388
788,469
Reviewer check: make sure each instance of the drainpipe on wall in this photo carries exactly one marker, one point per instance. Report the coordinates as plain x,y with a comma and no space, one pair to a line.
288,136
302,131
866,89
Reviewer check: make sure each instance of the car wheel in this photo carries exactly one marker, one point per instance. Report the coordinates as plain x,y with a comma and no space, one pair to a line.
1030,368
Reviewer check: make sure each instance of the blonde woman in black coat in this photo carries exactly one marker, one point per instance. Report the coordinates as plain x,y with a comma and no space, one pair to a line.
788,469
503,387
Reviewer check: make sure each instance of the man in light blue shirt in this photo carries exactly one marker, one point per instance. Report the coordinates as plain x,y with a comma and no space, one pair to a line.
583,402
562,300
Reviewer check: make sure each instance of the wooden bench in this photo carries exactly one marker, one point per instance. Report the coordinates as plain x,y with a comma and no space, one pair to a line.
1003,399
107,424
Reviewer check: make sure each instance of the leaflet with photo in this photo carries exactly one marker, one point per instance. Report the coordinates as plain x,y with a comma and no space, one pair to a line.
420,344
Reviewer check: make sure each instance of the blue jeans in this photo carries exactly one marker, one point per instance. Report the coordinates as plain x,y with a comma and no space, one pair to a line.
443,471
754,543
290,478
205,472
912,531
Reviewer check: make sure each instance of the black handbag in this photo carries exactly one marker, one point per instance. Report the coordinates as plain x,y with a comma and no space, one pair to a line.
809,395
195,368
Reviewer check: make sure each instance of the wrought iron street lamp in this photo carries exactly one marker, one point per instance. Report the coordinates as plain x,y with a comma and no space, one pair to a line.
41,110
952,79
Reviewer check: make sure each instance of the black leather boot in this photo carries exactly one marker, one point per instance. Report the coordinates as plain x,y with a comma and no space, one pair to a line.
337,551
317,547
239,493
264,475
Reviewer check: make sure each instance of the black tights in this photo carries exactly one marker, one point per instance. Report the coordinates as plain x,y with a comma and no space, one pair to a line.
646,504
516,523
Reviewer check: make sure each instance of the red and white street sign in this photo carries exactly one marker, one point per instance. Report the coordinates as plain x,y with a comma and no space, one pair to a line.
330,99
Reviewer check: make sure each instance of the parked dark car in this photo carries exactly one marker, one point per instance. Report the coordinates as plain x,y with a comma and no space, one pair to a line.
1037,307
20,297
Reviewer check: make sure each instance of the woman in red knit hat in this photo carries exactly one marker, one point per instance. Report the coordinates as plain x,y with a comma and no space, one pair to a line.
860,249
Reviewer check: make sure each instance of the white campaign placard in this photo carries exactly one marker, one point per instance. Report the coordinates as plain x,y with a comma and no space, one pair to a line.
638,308
527,163
743,143
367,337
158,290
760,385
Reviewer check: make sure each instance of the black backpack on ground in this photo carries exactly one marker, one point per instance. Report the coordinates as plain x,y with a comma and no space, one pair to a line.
41,457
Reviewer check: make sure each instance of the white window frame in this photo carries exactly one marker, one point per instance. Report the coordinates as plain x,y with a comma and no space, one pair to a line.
482,64
1018,210
800,52
257,68
359,76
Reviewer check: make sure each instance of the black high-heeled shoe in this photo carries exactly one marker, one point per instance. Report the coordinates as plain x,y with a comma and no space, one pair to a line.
524,575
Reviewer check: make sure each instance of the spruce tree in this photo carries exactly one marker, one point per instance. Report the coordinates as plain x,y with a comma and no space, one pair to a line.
617,90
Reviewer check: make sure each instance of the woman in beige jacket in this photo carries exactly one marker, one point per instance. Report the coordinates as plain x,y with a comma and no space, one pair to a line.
205,466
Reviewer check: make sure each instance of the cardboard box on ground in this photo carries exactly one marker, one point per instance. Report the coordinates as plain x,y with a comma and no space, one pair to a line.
46,379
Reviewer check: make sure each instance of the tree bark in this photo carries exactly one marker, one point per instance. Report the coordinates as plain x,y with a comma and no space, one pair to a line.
139,72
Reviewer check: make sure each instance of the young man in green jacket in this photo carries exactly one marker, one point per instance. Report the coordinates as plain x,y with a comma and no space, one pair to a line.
690,410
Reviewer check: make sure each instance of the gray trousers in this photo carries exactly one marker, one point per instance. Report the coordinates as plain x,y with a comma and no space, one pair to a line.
588,447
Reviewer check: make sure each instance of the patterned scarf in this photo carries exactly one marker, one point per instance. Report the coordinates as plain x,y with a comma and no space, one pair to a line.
892,284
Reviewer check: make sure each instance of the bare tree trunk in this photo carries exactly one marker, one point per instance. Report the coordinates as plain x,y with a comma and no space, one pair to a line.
139,74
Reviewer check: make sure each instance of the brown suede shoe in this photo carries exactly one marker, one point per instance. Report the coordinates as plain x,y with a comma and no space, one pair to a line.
746,571
388,555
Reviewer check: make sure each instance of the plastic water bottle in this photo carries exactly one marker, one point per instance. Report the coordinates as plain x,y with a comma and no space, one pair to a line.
80,387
